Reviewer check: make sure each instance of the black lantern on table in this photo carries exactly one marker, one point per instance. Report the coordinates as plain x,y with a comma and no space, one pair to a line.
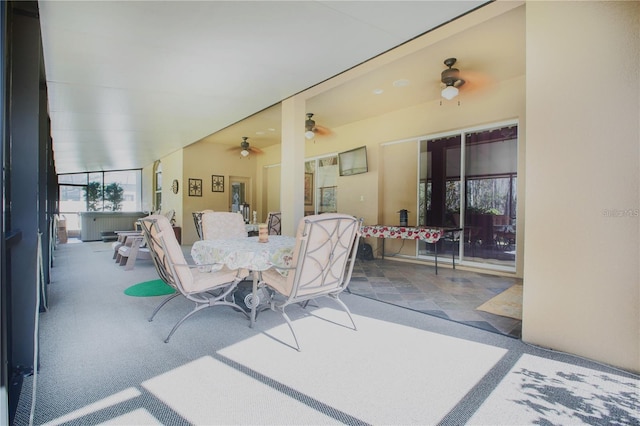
246,212
404,217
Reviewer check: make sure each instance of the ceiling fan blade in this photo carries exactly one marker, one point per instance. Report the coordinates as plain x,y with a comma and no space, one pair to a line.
475,82
255,150
322,131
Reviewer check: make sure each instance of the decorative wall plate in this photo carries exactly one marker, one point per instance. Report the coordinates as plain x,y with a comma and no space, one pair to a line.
195,187
217,183
174,186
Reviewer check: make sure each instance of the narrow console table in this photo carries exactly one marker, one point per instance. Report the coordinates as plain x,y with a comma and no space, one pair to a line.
429,235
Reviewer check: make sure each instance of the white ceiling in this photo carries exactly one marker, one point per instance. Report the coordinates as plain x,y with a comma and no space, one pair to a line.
130,82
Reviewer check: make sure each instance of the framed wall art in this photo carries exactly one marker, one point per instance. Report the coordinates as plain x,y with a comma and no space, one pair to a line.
308,189
217,183
195,187
328,200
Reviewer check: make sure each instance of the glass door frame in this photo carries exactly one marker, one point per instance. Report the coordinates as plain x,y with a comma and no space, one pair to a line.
460,255
324,191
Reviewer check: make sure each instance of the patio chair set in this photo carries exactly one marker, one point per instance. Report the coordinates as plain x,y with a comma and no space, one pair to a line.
321,265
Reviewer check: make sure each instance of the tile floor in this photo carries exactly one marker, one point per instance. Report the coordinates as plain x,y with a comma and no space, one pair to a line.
452,294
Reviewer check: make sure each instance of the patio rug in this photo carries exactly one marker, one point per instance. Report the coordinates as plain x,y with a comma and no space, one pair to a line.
149,288
506,304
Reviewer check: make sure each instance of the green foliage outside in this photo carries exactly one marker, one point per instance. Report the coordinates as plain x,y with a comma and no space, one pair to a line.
112,195
93,195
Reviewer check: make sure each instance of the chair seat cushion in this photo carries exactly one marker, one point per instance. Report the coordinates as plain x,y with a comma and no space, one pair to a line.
277,281
204,280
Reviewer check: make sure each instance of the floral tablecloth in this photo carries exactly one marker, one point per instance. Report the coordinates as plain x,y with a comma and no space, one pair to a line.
430,235
245,253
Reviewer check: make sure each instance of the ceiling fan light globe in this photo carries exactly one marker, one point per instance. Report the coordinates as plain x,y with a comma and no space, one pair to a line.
449,92
244,152
309,134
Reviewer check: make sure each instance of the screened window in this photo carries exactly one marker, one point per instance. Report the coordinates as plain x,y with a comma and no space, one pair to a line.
101,191
157,186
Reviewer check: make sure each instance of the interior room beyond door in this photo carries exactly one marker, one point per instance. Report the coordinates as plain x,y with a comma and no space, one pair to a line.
468,180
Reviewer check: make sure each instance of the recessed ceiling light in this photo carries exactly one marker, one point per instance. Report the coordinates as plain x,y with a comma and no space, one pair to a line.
260,132
271,129
401,83
377,91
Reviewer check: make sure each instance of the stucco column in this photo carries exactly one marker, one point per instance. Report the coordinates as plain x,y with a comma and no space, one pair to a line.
292,166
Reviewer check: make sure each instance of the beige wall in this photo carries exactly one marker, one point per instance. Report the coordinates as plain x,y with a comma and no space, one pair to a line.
198,161
272,194
268,182
398,190
172,169
201,160
581,277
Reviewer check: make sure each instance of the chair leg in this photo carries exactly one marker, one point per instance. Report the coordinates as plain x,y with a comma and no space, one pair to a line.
346,309
164,302
202,303
286,318
175,327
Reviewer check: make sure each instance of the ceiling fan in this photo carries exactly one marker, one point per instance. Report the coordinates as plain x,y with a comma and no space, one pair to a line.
245,148
453,81
311,129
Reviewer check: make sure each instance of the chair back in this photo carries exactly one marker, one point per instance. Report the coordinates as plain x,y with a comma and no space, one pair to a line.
324,255
273,223
170,215
166,253
197,221
217,225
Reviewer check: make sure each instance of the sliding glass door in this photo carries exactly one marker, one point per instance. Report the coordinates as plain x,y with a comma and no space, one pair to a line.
468,181
320,185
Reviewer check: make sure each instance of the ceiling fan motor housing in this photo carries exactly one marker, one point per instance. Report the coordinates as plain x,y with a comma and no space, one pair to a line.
309,124
451,76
